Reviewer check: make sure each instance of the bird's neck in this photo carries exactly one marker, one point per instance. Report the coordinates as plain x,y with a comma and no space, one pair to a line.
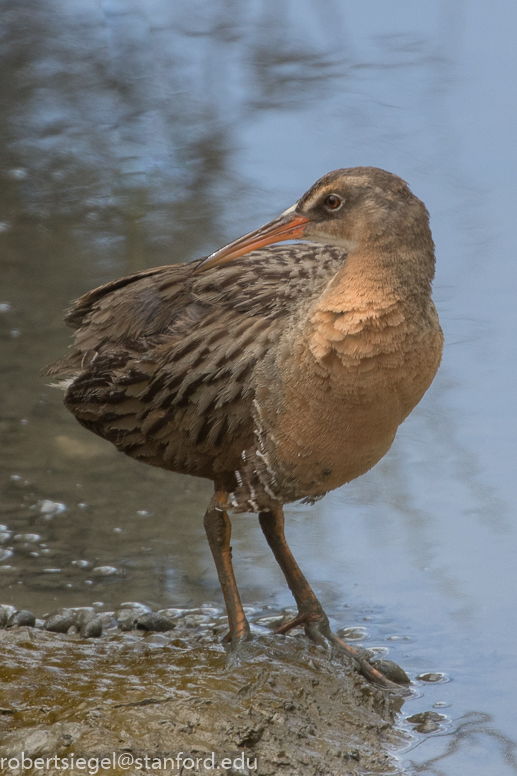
373,303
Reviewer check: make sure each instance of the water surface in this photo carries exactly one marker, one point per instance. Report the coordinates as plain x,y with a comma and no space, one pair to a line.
135,134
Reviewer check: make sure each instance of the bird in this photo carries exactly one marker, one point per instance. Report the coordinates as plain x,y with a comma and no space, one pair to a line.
279,372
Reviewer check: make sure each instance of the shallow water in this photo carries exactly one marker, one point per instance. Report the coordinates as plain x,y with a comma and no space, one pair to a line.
135,134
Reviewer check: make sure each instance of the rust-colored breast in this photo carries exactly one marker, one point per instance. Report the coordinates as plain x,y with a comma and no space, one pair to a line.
342,381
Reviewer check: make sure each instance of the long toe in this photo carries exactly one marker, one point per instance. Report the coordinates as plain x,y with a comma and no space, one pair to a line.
363,665
317,628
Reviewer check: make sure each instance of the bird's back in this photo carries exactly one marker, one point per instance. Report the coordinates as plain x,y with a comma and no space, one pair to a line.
164,361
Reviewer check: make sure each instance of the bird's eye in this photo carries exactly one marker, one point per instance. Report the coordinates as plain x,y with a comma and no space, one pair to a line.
333,202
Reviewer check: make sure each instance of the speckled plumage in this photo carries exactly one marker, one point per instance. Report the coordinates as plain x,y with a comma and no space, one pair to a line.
201,371
164,361
277,372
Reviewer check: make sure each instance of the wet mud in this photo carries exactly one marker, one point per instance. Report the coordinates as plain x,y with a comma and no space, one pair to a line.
281,705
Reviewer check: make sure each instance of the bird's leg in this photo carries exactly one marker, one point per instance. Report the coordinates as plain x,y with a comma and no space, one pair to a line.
310,612
218,530
309,608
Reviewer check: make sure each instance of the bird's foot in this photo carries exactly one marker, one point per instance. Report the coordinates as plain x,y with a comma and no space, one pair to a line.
239,636
317,628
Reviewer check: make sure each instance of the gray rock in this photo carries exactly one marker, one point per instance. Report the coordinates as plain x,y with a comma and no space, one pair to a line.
432,677
153,621
88,622
135,605
6,612
83,614
127,619
92,628
128,614
426,721
61,621
23,617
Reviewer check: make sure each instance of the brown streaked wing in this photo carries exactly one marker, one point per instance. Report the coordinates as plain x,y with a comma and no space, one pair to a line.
164,361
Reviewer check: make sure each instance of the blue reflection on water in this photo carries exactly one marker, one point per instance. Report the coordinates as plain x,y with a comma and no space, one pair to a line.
147,129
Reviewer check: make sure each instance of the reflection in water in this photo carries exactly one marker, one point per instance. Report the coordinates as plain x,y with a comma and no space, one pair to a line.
139,133
287,65
119,135
125,124
474,741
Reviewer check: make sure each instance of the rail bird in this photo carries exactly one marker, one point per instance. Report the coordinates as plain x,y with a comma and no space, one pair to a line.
279,372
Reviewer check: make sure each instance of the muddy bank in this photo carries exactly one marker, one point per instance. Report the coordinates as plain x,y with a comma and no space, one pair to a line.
282,706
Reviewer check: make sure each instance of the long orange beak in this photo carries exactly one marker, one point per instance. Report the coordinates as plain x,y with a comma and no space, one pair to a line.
289,226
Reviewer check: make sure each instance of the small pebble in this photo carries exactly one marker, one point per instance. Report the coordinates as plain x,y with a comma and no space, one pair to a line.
129,613
91,629
28,537
83,614
6,612
81,564
61,621
432,677
23,617
426,721
422,716
105,571
49,508
135,605
108,620
152,621
127,619
88,622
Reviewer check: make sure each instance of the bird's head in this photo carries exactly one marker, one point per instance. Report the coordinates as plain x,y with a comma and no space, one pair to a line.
346,208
